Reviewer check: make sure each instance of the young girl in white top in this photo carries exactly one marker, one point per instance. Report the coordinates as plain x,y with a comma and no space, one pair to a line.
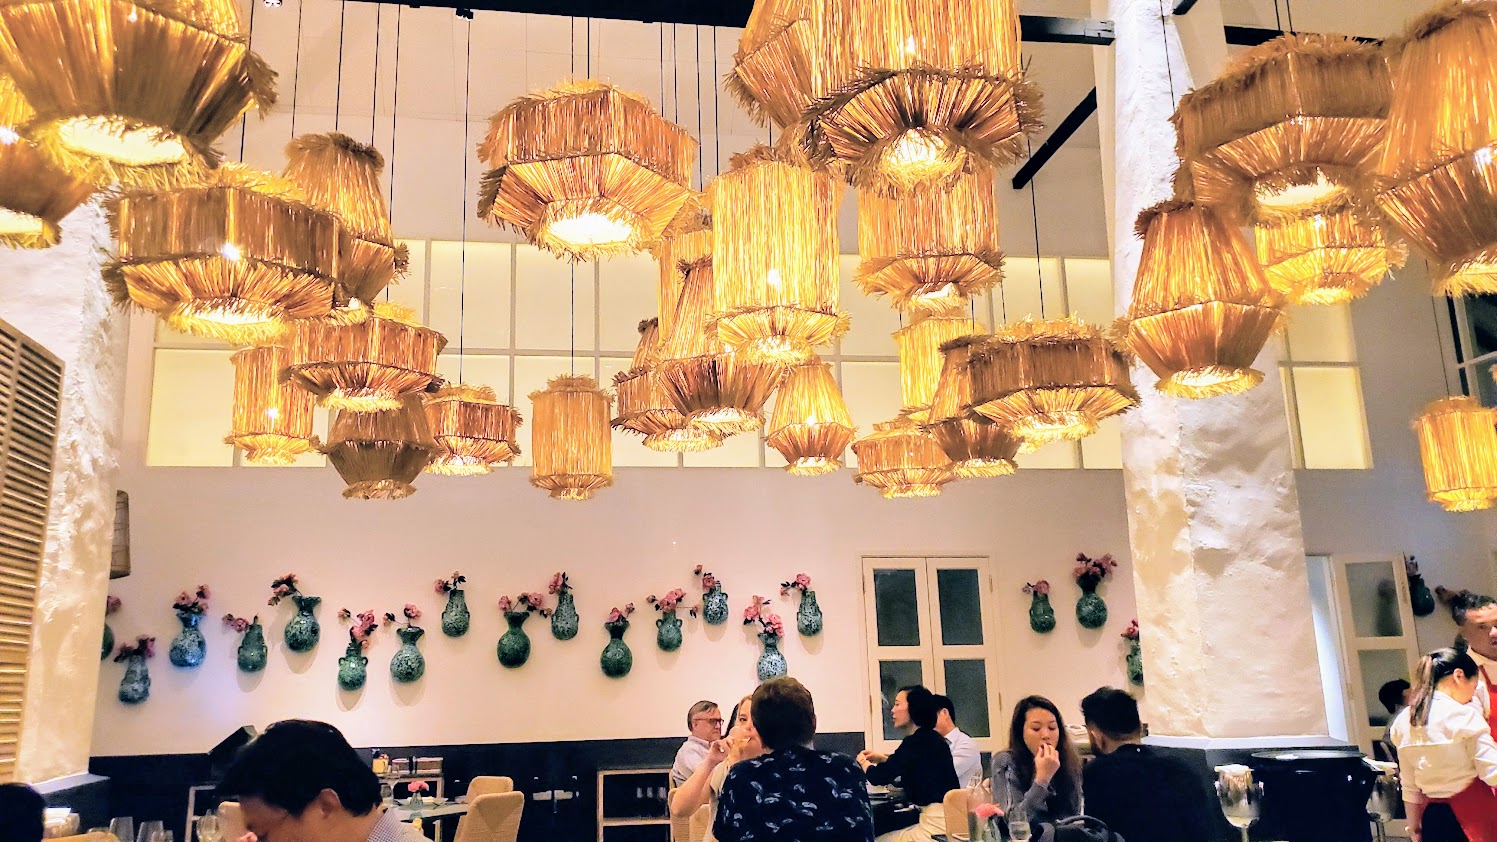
1446,753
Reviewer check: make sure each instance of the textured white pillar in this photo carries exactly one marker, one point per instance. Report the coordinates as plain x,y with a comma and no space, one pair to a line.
1214,523
56,297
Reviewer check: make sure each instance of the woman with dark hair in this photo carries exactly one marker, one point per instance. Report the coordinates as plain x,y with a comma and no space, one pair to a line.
1446,753
922,765
1040,768
706,782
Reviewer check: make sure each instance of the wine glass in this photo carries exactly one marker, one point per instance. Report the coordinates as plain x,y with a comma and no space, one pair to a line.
1240,796
1018,823
210,828
123,829
148,830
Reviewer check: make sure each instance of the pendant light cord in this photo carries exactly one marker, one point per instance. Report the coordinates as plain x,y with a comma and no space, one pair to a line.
296,68
701,163
395,135
717,135
379,26
244,119
675,76
338,102
1434,307
462,283
1034,212
1164,34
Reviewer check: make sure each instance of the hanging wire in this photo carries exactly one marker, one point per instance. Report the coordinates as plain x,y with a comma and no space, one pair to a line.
589,31
574,320
394,135
701,164
1164,33
1277,22
1289,14
572,62
675,76
662,68
1440,343
244,120
296,71
462,283
1034,212
379,26
717,140
338,103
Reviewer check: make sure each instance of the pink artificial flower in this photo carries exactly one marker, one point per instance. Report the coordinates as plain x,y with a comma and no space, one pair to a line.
111,604
441,586
628,609
987,811
1132,631
345,614
1041,587
418,786
202,591
708,581
505,603
697,570
614,616
803,580
556,582
412,612
750,613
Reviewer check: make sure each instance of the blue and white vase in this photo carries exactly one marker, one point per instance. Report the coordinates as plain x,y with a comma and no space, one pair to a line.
564,618
303,632
715,606
252,649
808,617
135,687
668,632
188,647
771,660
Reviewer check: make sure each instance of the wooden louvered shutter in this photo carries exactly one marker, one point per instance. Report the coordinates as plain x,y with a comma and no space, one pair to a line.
30,391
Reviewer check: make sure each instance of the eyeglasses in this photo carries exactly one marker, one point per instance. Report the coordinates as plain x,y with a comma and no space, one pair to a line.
715,721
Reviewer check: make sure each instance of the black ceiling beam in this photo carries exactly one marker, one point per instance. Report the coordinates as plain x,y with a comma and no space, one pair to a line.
1184,6
1063,132
1252,36
1036,29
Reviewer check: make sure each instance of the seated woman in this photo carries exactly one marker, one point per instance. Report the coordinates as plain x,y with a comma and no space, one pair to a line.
922,765
1040,769
706,782
1446,753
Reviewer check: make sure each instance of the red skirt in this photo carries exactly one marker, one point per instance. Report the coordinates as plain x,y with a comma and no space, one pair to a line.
1475,807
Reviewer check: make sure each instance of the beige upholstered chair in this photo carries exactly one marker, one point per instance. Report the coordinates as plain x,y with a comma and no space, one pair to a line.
231,818
492,818
955,804
681,828
489,784
701,823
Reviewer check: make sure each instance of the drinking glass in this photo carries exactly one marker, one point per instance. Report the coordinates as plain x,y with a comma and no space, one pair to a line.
123,829
161,836
1018,823
210,829
148,830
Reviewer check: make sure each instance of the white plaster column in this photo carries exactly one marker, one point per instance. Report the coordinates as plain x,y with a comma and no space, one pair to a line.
57,297
1214,521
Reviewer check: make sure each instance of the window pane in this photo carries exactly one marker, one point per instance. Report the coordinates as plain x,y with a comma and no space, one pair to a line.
410,291
873,320
1481,319
1321,334
1380,666
1104,448
896,608
626,294
1089,290
1480,383
1374,599
893,675
490,370
872,394
192,399
543,302
967,685
470,306
1332,427
1056,454
320,422
961,607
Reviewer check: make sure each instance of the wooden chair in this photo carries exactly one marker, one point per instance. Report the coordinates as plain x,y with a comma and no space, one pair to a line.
231,818
494,817
701,823
955,810
489,785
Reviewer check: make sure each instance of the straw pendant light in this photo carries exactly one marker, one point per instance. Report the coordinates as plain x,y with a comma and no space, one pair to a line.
901,460
272,420
573,446
379,454
367,366
127,92
931,247
775,258
643,407
920,358
1437,173
1201,309
977,446
234,258
811,426
1326,256
1458,447
773,74
35,194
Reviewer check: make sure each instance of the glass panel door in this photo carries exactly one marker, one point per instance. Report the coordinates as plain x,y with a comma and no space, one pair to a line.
1377,635
898,609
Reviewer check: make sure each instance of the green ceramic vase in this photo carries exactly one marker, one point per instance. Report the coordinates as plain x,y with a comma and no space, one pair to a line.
715,606
188,647
771,660
514,645
1091,611
135,687
353,667
408,664
668,632
808,616
455,617
303,632
1041,614
108,641
1421,601
616,660
1135,660
252,649
564,618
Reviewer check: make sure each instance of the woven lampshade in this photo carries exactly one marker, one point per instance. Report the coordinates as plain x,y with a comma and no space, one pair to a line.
272,421
913,90
366,366
1325,257
775,256
930,247
1290,125
572,444
920,357
644,408
773,73
234,258
1050,380
811,426
127,92
978,447
585,170
341,176
379,454
1458,446
902,460
1201,308
473,430
686,240
1438,176
35,194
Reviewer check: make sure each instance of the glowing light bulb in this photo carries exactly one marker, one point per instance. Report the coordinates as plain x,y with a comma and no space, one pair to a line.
1483,156
8,135
590,229
773,278
230,252
910,46
273,413
133,17
920,154
1300,195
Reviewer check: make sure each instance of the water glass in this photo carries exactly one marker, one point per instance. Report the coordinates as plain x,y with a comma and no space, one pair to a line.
210,828
147,831
1018,824
123,829
161,836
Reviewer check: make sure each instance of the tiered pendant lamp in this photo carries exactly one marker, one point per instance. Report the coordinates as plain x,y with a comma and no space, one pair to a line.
379,454
341,176
920,358
643,406
235,258
272,421
901,460
1327,256
367,366
811,426
775,258
474,431
134,93
573,448
1458,446
774,69
585,170
1050,380
978,447
1201,308
35,194
930,247
1438,170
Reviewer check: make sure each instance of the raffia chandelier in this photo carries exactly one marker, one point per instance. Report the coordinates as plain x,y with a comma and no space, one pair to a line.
128,92
811,426
236,257
1050,380
473,430
978,447
920,358
367,366
1437,173
573,448
379,454
272,420
585,170
931,247
644,408
773,69
1327,256
341,176
775,257
901,460
1288,127
35,194
1458,446
1201,308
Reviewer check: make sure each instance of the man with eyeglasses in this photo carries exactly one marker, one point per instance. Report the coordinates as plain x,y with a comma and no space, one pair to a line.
705,724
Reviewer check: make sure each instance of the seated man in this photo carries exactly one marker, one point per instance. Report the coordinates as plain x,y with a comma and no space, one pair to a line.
302,781
965,755
795,792
705,724
22,812
1139,792
1395,697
